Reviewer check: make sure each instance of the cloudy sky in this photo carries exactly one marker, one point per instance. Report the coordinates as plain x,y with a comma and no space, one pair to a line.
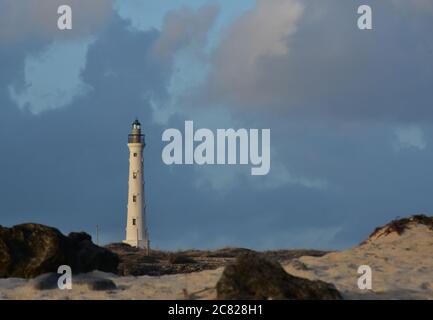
350,114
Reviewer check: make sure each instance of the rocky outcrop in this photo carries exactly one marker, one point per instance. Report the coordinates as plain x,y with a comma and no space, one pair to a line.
29,250
136,262
252,276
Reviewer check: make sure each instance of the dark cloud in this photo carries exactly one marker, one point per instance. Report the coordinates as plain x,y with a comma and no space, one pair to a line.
183,28
316,62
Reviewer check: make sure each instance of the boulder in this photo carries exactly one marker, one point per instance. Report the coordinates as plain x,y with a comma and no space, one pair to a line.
95,281
101,285
47,281
29,250
253,277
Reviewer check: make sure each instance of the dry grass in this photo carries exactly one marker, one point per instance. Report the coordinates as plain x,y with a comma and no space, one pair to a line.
400,225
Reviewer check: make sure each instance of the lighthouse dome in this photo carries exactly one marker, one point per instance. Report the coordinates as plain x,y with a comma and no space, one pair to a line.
136,124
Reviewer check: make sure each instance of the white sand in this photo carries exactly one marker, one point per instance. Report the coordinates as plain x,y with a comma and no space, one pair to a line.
402,269
198,285
402,266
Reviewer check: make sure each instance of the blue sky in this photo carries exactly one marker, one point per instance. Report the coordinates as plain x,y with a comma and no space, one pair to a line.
350,114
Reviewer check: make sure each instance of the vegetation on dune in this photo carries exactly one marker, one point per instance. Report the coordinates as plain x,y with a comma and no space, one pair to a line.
401,225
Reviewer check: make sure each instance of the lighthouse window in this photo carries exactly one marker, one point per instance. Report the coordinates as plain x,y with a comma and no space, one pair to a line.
133,222
134,175
134,198
135,155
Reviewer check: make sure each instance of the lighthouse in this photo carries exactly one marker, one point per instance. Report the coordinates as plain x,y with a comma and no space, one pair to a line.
136,229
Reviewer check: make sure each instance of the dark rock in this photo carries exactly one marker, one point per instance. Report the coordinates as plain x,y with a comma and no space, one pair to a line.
254,277
29,250
101,285
95,281
47,281
180,259
79,236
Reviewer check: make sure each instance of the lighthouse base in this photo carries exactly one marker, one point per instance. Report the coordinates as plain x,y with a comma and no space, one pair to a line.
142,244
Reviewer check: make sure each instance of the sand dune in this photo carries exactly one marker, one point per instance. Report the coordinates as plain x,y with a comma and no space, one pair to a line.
402,266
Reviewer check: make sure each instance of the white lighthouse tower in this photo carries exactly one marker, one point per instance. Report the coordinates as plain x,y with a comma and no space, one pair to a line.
136,229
